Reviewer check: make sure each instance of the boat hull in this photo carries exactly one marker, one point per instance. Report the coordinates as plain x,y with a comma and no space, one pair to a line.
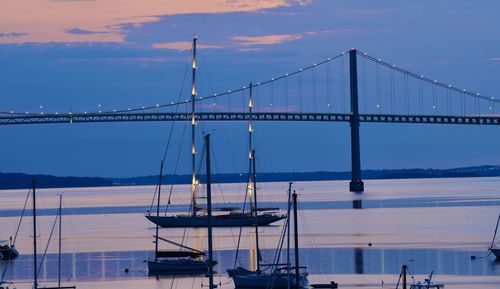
178,266
185,221
8,253
263,280
495,252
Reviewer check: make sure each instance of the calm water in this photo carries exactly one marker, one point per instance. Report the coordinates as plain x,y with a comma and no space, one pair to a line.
429,224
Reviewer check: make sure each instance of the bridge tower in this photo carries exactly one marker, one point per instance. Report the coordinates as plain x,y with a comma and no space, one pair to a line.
356,184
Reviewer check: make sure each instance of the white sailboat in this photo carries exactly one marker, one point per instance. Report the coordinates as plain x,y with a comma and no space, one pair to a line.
278,277
492,249
197,216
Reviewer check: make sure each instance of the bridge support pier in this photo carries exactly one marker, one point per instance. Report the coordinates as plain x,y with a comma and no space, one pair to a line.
356,184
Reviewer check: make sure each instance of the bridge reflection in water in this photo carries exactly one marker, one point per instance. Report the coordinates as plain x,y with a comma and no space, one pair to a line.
360,260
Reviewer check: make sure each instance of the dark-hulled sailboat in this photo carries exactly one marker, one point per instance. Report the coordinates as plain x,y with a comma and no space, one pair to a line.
187,261
197,215
492,248
279,277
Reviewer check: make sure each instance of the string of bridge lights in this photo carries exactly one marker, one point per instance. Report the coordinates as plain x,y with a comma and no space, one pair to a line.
379,61
434,82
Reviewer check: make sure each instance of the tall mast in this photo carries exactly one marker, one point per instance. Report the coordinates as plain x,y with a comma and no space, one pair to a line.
250,149
254,177
296,237
60,241
35,281
209,214
193,124
288,233
158,210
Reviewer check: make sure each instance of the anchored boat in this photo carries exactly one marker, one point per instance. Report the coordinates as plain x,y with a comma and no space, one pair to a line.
7,250
427,284
197,216
495,251
279,276
188,260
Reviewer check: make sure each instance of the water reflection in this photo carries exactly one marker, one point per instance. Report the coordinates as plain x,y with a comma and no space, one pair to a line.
112,265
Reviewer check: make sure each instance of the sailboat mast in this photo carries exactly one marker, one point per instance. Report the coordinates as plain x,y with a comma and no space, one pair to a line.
60,245
158,209
193,125
296,237
254,177
35,285
495,234
209,214
250,148
288,233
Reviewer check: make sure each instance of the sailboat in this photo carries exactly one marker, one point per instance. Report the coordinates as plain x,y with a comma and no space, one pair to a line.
427,284
8,249
279,277
197,216
176,262
7,285
492,249
35,267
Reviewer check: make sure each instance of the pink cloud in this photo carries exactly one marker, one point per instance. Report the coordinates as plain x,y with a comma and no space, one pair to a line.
45,21
266,39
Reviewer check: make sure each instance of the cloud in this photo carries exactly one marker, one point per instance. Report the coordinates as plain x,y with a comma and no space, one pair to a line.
45,21
13,34
266,39
184,45
79,31
495,59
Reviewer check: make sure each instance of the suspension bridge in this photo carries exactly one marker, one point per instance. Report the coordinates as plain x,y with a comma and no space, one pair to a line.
351,87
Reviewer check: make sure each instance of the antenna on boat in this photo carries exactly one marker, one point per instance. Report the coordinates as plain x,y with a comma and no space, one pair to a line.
193,126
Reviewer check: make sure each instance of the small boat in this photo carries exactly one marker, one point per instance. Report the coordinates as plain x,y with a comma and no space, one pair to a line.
178,262
278,277
36,270
197,216
7,250
7,285
332,284
427,284
492,248
188,261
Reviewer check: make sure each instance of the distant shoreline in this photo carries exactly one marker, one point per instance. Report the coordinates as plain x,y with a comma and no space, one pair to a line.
22,181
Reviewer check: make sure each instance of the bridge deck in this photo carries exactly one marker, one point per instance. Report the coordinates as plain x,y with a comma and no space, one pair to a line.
237,116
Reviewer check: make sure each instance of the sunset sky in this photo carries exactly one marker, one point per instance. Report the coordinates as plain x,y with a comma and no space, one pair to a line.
88,55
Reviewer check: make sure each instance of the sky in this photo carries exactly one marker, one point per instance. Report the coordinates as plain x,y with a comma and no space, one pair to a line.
90,55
